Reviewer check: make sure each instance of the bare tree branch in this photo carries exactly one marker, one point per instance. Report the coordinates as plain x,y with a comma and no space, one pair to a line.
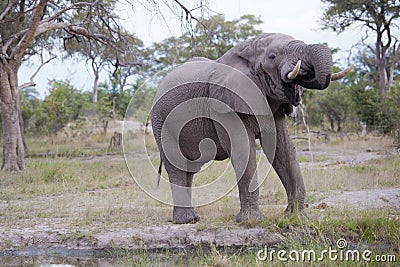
60,12
26,40
5,11
189,15
73,29
47,24
363,39
31,82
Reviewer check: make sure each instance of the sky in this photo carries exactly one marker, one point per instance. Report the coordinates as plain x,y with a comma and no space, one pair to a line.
290,17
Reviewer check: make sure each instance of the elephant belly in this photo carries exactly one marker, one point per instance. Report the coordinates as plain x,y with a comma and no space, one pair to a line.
199,142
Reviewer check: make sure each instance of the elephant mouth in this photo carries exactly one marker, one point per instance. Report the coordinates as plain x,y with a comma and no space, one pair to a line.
292,91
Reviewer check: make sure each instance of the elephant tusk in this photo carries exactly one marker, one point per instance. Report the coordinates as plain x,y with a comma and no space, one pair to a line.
293,74
340,75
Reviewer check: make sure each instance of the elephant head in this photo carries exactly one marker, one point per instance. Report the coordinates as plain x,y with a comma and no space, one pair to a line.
280,65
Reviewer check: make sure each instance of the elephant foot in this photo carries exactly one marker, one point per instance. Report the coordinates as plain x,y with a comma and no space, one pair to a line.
294,207
250,215
183,215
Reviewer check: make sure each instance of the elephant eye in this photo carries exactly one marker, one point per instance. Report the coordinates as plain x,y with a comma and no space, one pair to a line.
272,56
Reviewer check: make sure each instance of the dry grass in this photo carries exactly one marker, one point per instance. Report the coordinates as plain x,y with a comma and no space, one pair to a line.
103,187
99,193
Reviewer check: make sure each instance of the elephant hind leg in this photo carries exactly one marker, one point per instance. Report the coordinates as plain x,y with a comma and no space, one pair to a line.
181,187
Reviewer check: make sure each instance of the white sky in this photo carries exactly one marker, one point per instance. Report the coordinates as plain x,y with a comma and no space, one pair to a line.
299,19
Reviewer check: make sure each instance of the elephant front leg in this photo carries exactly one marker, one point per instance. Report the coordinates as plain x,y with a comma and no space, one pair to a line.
181,187
286,165
239,143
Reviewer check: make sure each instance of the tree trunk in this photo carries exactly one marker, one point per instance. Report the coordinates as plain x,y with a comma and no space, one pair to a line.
95,82
331,121
339,124
113,109
96,78
13,141
383,79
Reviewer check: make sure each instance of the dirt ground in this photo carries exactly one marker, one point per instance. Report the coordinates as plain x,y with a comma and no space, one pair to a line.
43,236
373,198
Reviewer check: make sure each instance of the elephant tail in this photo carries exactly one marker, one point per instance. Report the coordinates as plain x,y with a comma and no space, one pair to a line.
159,173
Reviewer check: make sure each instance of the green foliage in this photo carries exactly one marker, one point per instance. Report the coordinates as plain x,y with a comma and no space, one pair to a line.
341,107
214,36
63,104
333,106
211,39
339,15
388,112
16,20
141,102
30,106
382,115
379,18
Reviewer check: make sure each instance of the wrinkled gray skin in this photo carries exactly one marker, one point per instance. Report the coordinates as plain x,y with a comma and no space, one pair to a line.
266,60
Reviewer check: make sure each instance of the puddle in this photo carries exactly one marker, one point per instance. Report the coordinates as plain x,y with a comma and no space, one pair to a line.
61,257
45,261
55,257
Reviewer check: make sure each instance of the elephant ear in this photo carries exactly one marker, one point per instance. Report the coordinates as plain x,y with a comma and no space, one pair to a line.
233,84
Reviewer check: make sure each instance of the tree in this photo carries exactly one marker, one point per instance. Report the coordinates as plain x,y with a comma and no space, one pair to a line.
29,26
139,105
214,36
210,38
378,17
63,104
335,104
30,104
336,111
19,26
123,60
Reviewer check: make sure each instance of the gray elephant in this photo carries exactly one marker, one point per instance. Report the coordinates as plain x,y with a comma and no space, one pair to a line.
275,67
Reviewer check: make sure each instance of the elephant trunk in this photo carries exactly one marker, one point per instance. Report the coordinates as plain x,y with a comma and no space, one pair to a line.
320,59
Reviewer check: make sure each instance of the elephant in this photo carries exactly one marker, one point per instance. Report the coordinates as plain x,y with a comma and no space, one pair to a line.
275,68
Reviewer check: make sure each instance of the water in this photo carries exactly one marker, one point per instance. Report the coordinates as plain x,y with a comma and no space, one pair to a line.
56,257
64,257
203,255
302,109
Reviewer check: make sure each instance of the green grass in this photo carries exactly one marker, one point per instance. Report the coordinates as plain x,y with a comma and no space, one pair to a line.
372,230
